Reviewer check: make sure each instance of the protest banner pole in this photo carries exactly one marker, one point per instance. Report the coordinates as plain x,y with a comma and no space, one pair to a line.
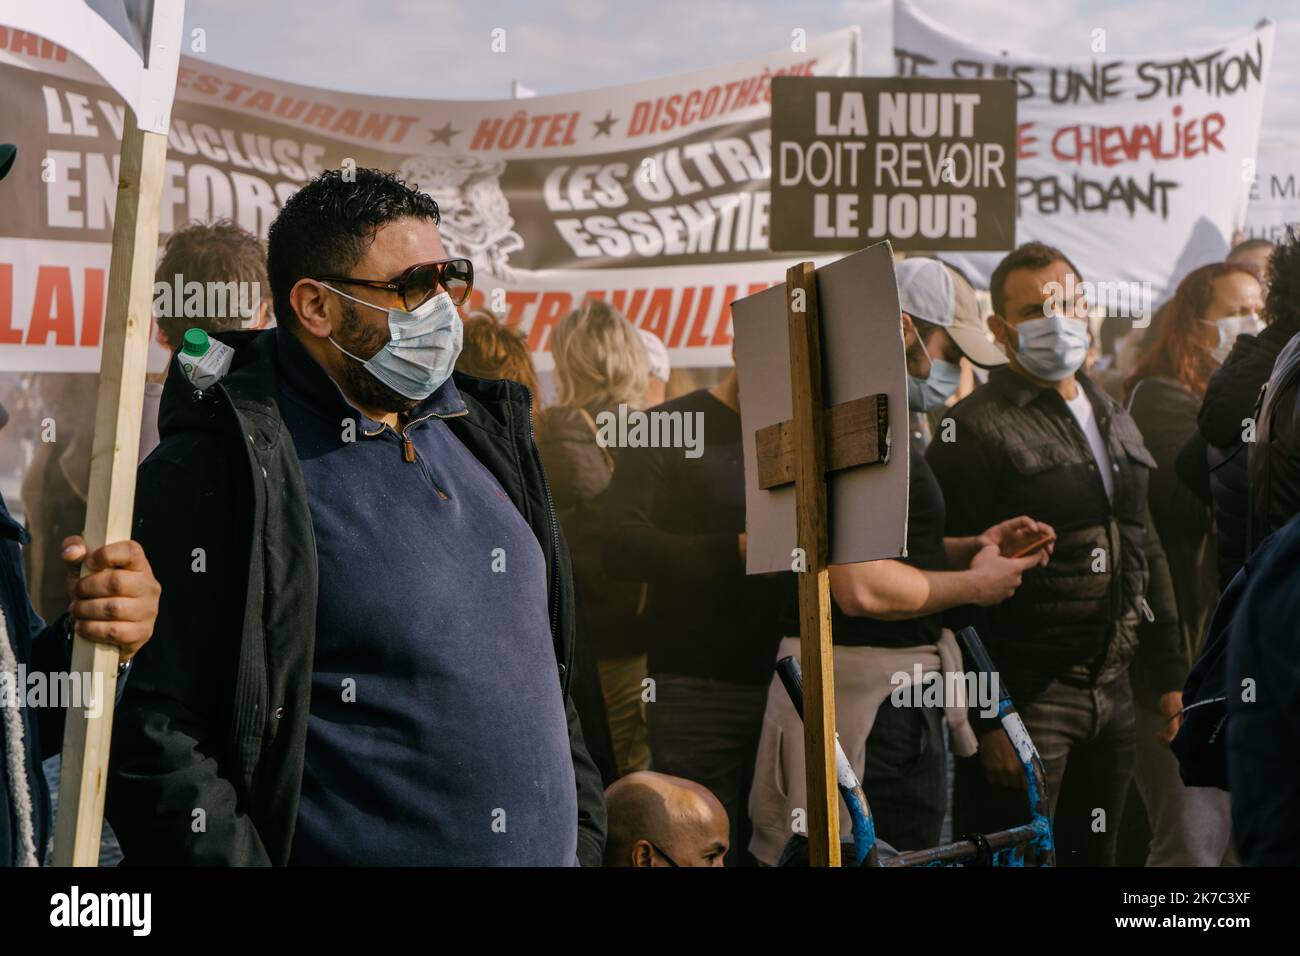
127,320
814,582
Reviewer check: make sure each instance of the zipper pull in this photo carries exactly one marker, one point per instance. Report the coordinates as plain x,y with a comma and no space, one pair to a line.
1149,614
408,448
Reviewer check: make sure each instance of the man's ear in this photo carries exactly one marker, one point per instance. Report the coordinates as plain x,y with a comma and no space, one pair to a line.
161,338
642,854
998,326
918,359
310,300
263,314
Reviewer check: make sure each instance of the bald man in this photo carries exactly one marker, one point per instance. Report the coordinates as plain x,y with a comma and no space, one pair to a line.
658,820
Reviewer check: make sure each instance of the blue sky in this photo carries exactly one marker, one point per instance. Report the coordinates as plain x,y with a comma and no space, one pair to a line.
440,48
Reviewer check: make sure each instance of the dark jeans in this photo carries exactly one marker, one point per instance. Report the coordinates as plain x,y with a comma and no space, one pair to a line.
1086,738
707,731
906,776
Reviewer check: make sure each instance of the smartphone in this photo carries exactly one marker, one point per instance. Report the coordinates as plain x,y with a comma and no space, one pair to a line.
1033,546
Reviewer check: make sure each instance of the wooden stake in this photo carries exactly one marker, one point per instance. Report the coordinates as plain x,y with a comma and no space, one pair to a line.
814,583
111,494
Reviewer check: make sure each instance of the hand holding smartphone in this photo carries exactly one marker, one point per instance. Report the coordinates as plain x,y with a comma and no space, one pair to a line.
1033,546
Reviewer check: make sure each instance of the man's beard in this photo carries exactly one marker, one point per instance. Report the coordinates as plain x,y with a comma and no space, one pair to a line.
359,384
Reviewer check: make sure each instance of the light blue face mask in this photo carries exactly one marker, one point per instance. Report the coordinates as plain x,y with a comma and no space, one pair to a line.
927,394
422,346
1052,348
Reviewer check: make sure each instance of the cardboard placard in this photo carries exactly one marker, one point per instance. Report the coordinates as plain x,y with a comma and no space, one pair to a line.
862,356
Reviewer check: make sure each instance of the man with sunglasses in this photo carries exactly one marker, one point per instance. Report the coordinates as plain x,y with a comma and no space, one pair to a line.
372,615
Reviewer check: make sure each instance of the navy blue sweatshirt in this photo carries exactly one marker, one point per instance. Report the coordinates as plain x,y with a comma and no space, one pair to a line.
437,732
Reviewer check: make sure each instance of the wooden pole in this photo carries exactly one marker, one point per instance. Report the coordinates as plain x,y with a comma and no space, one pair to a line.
111,494
814,583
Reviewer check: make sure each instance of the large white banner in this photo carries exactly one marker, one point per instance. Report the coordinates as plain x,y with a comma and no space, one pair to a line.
1138,168
1275,193
651,195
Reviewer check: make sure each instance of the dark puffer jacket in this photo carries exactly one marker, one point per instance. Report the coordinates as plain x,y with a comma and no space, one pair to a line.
1275,455
1105,596
1218,450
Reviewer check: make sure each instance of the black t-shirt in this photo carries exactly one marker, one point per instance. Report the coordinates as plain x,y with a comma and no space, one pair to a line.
674,522
925,521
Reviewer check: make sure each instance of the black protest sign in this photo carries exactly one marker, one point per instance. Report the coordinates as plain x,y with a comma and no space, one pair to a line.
929,165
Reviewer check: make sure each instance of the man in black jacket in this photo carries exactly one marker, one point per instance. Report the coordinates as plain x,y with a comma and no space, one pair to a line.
369,613
1040,438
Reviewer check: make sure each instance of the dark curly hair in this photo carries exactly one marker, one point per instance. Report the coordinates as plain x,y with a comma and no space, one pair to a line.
1282,307
327,226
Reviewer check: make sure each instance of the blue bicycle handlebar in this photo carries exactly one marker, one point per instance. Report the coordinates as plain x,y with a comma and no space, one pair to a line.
864,828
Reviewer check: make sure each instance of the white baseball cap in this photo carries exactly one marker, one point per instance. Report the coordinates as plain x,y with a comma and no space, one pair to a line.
656,354
933,292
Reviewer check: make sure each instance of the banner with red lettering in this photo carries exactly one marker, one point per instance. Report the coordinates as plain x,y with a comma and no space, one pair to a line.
1137,167
652,195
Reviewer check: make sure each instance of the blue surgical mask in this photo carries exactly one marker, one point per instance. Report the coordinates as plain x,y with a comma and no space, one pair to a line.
927,394
422,346
1052,348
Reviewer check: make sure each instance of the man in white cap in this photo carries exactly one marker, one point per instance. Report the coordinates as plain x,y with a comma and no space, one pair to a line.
656,354
886,618
946,315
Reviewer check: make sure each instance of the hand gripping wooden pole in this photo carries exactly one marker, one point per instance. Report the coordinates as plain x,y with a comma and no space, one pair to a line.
111,495
814,583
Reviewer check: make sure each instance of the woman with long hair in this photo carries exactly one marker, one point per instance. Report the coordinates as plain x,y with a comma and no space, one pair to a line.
600,365
1192,332
1189,338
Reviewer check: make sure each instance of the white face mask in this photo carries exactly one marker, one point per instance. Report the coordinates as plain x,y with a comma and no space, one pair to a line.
422,346
1229,328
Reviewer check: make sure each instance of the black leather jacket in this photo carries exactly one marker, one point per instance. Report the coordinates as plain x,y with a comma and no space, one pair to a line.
1105,596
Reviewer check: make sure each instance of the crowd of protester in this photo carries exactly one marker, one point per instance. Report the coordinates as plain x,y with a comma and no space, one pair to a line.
440,620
